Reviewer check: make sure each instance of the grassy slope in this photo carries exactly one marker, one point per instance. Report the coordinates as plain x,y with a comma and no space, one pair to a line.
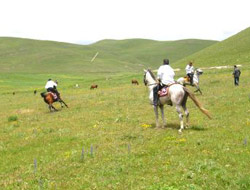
210,155
33,56
234,50
149,53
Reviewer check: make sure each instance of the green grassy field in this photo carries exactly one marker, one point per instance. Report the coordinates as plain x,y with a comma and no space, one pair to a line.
107,138
42,150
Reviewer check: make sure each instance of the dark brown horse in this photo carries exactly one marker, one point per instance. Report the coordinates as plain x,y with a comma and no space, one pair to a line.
93,86
49,99
134,81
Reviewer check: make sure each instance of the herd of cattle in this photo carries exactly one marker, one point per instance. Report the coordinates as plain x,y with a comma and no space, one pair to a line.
93,86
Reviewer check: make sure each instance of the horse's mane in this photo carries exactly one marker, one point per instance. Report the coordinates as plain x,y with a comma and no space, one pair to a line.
151,73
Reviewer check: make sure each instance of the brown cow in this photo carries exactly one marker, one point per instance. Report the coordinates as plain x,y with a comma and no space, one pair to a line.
135,82
93,86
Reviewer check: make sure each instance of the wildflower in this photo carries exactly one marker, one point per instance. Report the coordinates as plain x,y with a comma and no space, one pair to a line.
182,140
145,126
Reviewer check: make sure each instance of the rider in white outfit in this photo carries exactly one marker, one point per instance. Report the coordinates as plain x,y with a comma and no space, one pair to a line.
51,87
190,72
165,75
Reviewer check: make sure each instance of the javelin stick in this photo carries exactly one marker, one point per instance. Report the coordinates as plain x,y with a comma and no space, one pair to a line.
94,56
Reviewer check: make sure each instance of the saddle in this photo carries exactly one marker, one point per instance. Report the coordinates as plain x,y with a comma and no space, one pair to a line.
164,91
186,79
54,95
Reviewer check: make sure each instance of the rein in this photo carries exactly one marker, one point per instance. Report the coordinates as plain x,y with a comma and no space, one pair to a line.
152,84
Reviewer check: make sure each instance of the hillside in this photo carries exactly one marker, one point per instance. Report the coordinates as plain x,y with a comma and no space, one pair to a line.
33,56
150,53
234,50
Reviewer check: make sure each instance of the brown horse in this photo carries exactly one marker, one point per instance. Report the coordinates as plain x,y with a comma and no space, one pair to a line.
93,86
135,82
48,98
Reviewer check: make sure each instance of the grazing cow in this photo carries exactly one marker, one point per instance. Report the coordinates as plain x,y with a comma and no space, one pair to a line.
34,92
93,86
135,82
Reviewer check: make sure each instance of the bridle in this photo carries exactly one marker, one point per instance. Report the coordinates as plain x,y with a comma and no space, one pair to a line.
145,82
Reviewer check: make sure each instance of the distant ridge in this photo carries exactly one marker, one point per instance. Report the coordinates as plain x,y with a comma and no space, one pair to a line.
19,55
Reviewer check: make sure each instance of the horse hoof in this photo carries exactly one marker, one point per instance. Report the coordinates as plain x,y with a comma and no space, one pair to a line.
180,131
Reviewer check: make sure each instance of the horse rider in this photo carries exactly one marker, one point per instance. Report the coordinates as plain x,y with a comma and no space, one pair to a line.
190,72
165,77
51,87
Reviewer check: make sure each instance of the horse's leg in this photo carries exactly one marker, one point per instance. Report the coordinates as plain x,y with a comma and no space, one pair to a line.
61,104
178,109
50,108
61,101
54,107
156,116
199,90
187,114
162,115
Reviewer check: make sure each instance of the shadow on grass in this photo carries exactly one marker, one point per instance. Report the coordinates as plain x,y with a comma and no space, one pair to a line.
176,126
197,128
51,112
168,126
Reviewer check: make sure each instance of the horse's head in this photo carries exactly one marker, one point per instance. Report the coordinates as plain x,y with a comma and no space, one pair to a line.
149,77
144,77
199,71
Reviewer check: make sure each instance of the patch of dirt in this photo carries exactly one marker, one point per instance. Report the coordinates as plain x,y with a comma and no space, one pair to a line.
25,111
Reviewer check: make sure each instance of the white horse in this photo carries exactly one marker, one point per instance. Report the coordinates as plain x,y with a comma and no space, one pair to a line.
177,94
184,80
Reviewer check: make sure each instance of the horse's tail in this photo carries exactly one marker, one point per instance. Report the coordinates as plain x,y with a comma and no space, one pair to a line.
197,103
43,94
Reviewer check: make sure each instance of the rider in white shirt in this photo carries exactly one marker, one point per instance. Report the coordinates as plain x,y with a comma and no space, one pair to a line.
190,72
51,87
165,75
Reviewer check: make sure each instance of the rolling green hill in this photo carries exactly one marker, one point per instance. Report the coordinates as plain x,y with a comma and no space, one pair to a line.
33,56
234,50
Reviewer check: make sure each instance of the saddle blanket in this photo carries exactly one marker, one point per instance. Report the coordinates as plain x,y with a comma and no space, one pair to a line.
54,95
163,91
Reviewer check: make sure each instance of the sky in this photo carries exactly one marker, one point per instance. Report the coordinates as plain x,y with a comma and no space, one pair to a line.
88,21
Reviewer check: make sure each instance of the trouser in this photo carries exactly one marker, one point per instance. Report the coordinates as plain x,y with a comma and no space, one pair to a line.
236,81
155,94
191,76
54,91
